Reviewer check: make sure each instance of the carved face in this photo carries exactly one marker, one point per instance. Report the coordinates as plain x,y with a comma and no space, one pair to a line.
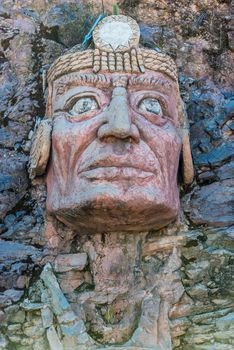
115,151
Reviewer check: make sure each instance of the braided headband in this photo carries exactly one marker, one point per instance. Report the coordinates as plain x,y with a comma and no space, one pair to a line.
133,61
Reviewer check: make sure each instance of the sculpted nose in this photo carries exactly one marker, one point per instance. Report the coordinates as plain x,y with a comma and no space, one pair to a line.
118,122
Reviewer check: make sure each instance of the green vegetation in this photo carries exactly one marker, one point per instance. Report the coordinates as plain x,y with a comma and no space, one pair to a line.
115,9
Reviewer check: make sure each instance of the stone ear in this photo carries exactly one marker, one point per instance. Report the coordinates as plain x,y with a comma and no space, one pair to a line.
40,149
188,169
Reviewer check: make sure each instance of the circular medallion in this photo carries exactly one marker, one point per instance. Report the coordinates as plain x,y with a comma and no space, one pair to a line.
116,34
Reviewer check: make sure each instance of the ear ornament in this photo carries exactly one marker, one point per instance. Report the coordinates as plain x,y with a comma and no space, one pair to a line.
188,169
40,149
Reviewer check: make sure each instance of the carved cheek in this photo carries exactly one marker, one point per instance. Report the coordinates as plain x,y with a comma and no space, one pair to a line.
69,140
165,142
160,138
172,155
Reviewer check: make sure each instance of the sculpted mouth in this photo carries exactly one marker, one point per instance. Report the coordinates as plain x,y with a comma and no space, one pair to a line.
112,162
100,160
115,172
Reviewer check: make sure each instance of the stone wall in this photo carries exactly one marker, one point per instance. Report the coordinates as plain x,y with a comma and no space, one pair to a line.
199,35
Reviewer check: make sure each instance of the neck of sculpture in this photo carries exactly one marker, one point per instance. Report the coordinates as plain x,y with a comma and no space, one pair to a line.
114,257
127,280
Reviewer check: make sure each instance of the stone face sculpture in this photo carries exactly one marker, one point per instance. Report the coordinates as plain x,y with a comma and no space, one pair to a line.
118,128
110,146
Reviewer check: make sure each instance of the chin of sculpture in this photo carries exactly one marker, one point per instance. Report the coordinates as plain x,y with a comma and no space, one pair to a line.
105,208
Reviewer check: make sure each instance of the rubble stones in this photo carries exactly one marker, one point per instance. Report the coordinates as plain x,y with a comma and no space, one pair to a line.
63,20
14,180
212,204
17,262
69,262
16,251
53,339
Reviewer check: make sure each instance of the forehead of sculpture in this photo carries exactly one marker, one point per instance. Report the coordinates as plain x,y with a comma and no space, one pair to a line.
150,79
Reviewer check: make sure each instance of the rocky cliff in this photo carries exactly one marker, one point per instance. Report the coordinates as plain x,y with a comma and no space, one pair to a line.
199,36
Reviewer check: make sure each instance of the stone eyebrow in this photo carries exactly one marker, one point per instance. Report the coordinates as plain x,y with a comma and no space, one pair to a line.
153,82
81,79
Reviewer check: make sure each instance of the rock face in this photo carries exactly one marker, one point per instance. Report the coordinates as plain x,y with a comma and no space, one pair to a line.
200,38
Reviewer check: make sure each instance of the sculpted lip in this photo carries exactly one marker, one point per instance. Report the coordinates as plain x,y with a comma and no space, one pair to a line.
115,172
100,157
119,164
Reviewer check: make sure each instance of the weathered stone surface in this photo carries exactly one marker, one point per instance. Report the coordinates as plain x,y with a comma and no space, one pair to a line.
47,317
212,204
216,156
3,342
63,20
53,339
60,303
14,272
69,262
231,40
17,252
8,86
226,171
9,296
51,51
14,180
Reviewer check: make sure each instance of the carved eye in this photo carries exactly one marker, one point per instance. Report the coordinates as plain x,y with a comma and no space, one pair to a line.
151,105
83,105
